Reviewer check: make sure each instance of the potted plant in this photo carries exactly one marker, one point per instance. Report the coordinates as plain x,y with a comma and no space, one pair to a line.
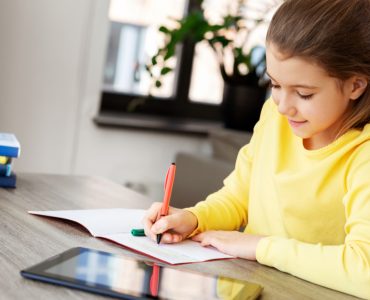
242,67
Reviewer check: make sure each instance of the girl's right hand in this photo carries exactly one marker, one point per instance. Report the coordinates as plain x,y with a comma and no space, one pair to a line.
175,227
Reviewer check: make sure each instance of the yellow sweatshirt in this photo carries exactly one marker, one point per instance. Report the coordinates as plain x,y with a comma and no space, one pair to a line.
313,205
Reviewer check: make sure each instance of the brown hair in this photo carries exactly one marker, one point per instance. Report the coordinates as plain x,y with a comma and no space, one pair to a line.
335,34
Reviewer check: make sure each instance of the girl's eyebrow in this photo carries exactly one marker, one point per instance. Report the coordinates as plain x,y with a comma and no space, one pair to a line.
305,86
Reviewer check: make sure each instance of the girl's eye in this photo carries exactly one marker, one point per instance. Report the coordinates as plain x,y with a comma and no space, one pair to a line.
305,97
273,86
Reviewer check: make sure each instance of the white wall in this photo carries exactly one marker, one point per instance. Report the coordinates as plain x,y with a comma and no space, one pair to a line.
51,61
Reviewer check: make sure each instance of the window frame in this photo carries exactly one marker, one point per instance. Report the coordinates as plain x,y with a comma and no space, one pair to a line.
179,105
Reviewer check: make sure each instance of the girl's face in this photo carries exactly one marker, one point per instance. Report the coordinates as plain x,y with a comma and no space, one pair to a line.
313,102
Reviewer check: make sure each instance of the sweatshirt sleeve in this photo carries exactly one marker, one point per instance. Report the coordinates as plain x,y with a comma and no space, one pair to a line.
345,267
227,209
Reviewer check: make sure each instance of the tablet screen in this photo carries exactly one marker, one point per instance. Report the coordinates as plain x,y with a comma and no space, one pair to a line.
128,278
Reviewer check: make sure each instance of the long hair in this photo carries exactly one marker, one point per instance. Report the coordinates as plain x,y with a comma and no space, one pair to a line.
335,34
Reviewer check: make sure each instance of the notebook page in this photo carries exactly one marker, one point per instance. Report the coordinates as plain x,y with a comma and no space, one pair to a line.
187,251
100,221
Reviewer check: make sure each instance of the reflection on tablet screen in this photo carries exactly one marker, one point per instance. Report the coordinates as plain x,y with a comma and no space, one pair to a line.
119,275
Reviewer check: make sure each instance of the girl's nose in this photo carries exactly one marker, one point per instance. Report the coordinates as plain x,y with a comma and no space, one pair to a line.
286,106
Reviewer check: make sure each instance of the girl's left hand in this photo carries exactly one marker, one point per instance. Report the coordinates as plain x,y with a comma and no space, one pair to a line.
234,243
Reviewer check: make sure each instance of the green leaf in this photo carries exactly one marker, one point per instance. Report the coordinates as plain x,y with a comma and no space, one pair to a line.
164,29
220,39
230,21
170,52
158,83
215,28
154,60
165,70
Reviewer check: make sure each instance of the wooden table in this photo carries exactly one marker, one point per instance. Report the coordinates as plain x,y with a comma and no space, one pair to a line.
26,239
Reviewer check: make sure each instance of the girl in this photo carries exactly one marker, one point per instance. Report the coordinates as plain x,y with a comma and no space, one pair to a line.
301,187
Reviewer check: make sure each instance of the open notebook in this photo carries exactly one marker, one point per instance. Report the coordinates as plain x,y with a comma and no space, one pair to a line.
116,224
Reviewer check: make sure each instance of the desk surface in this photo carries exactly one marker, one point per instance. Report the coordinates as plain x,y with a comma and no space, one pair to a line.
26,239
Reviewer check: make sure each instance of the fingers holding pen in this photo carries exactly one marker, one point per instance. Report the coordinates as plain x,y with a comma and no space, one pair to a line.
150,218
154,224
167,226
174,227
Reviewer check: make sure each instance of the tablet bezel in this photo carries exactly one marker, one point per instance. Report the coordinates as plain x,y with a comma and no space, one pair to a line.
44,272
38,272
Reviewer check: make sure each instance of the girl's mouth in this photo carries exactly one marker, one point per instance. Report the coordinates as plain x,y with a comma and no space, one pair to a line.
296,124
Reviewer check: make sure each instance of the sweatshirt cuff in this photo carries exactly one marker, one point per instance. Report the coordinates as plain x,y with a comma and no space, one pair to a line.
198,229
272,251
261,250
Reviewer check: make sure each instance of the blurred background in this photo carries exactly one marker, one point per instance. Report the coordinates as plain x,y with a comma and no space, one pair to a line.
60,60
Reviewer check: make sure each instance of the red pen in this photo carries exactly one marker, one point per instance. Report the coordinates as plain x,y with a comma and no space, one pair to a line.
154,280
168,184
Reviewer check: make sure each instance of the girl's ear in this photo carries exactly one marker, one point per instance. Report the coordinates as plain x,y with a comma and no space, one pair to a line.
359,85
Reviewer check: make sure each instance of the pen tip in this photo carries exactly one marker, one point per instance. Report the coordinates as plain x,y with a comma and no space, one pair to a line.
159,237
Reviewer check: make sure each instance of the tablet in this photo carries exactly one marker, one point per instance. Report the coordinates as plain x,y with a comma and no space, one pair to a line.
128,278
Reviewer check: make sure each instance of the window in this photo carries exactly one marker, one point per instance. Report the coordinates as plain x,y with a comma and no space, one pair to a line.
193,91
133,40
